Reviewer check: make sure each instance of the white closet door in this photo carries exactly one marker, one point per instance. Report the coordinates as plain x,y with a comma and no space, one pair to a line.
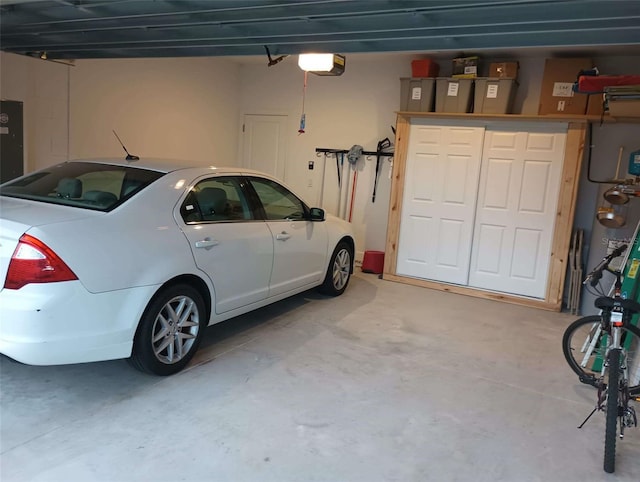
517,202
439,202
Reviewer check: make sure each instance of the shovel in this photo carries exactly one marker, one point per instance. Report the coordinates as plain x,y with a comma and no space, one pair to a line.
383,144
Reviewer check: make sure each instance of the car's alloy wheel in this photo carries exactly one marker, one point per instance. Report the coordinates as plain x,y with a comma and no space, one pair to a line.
339,271
175,329
170,331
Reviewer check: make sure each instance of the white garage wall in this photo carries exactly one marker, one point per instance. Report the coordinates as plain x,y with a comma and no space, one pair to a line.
357,107
192,109
183,108
43,87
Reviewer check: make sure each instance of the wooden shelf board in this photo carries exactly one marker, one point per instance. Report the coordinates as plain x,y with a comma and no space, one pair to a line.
530,117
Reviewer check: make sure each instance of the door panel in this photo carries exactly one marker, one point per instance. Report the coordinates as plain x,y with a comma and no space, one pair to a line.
232,248
488,241
264,143
525,251
298,256
517,201
299,245
237,258
441,184
451,232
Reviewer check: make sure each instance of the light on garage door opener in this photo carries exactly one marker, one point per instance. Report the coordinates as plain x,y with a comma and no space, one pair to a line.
322,64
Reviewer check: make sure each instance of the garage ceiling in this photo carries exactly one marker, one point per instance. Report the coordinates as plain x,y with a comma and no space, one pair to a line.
78,29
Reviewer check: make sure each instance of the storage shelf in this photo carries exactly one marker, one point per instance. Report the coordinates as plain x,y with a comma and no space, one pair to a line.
528,117
567,197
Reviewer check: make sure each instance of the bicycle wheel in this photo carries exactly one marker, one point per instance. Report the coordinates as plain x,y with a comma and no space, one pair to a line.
584,347
611,429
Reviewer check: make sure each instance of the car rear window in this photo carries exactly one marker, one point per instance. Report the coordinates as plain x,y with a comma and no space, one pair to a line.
87,185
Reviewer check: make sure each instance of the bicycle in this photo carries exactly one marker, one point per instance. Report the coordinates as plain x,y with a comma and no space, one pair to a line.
604,351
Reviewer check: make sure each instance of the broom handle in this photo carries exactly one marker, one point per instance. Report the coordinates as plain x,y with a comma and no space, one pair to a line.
619,159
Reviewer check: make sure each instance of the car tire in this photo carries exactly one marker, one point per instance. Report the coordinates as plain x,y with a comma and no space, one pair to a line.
338,271
170,331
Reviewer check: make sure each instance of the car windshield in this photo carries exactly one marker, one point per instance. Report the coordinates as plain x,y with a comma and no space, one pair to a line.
89,185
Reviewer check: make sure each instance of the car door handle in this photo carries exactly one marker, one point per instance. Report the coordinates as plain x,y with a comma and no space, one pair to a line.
283,236
206,243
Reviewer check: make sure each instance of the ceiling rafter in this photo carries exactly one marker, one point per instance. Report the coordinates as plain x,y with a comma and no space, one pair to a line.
133,28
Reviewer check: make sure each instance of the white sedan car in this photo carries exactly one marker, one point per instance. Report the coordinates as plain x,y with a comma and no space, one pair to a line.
107,259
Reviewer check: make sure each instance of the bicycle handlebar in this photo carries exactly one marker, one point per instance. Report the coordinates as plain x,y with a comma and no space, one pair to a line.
594,276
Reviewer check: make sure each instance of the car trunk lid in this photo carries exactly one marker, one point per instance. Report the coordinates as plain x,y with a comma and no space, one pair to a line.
18,216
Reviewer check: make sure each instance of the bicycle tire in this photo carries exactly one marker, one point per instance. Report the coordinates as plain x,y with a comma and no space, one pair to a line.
589,370
611,429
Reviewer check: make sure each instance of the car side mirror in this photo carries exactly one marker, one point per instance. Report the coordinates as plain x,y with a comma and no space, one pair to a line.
316,214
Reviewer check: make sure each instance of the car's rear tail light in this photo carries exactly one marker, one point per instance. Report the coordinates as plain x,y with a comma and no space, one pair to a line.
34,262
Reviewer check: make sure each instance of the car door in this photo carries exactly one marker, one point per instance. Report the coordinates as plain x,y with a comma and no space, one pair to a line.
229,243
300,245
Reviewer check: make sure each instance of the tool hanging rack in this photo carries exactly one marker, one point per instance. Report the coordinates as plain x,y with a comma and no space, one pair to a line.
340,153
324,150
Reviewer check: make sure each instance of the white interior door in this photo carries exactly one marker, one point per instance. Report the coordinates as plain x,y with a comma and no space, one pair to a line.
519,186
264,143
439,201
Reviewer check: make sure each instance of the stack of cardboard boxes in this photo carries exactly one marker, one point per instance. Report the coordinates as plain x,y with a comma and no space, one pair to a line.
465,92
495,94
556,93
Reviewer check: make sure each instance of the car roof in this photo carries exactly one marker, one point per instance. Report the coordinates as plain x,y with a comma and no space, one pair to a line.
169,165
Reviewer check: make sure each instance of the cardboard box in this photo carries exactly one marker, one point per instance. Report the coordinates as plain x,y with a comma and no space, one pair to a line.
503,70
454,95
595,104
494,96
465,67
424,68
556,93
416,95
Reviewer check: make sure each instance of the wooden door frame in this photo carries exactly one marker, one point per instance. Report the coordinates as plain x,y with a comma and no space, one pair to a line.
574,150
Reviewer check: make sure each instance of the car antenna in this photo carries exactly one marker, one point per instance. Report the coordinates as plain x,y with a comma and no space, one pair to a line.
129,156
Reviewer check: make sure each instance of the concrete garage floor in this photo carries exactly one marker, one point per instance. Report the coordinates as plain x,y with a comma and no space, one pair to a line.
387,383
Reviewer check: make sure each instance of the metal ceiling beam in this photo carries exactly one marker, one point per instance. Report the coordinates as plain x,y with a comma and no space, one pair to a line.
455,43
356,13
547,28
355,23
133,28
245,10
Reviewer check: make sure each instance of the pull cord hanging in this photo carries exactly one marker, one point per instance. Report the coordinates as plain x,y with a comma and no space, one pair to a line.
304,93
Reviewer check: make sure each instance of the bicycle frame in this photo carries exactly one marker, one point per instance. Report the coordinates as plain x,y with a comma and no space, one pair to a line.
605,353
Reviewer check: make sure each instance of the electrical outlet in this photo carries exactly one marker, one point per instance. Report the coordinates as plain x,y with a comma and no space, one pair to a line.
310,183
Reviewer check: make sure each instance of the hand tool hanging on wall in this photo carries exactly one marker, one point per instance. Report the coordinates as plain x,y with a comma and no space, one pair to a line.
383,144
354,155
341,197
